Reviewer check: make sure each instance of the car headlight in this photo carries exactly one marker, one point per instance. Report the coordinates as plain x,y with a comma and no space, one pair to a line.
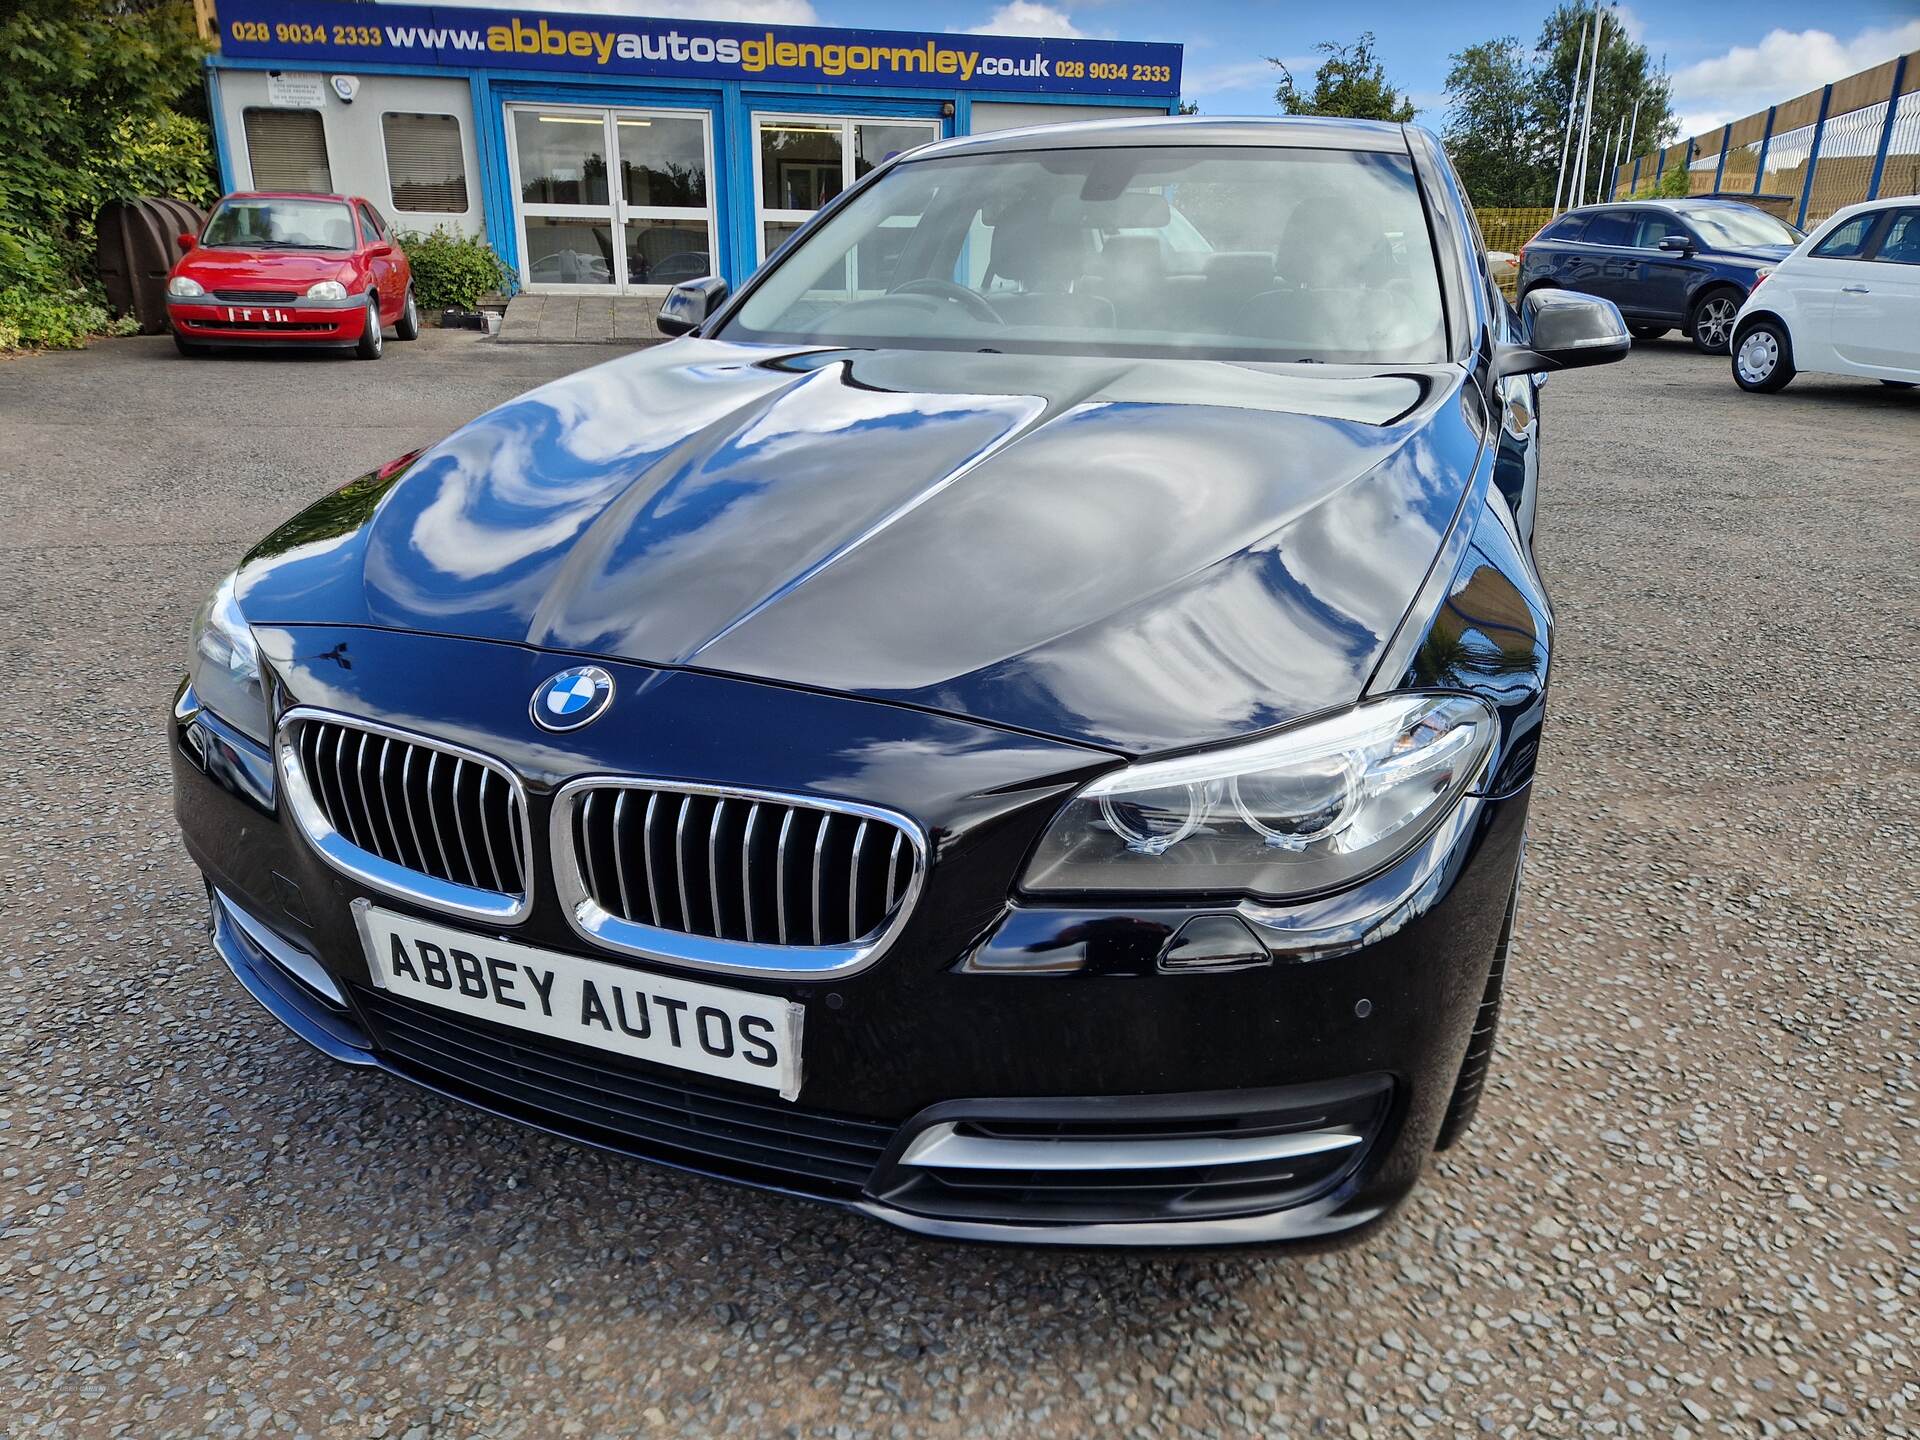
225,665
184,287
326,290
1308,810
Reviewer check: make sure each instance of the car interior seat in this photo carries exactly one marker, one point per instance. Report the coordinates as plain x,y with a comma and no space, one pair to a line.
1046,260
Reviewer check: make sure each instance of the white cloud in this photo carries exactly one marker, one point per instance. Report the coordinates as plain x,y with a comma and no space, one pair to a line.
1784,64
765,12
1026,17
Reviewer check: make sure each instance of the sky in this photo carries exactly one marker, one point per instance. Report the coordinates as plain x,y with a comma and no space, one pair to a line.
1728,58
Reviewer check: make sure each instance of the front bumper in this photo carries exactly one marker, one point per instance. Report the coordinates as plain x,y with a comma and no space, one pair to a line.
1364,1040
302,322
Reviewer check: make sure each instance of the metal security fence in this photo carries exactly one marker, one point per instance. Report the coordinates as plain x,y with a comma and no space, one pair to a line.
1856,139
1510,229
1506,230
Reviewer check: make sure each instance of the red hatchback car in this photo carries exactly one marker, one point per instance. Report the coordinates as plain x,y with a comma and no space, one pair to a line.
282,268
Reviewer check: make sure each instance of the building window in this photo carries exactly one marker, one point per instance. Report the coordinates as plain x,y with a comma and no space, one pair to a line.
287,150
426,170
616,198
804,161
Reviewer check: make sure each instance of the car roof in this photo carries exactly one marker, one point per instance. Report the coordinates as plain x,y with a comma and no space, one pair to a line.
1243,131
289,195
1883,202
1669,202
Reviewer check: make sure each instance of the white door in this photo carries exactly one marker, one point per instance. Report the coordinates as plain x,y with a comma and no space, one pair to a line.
800,162
611,200
1816,279
1876,321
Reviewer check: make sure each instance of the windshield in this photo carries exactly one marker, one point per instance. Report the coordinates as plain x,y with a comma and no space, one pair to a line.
1731,229
281,225
1204,252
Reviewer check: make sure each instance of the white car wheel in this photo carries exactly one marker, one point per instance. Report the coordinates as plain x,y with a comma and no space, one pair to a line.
1759,355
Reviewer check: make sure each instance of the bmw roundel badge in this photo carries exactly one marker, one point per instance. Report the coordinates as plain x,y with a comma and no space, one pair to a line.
572,698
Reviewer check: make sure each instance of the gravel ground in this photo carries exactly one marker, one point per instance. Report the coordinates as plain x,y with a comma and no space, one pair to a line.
1688,1208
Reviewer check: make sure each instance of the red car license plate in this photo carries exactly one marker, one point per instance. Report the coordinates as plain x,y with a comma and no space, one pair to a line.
277,317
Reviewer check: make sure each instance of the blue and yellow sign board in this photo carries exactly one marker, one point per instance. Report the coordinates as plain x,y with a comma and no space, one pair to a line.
467,38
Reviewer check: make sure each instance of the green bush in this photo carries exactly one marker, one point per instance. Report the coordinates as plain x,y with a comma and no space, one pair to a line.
1673,184
56,321
99,100
161,153
451,269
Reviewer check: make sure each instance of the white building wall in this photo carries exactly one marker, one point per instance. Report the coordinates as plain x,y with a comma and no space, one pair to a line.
356,145
991,115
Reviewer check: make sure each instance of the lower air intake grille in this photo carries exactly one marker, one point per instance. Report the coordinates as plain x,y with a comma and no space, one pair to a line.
758,869
589,1095
413,806
1104,1161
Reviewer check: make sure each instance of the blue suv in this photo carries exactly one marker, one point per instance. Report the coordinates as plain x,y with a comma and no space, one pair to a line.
1689,263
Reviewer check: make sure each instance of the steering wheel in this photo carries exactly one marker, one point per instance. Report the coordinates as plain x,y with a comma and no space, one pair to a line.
970,301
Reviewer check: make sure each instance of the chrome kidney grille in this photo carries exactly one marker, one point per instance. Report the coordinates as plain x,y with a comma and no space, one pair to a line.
747,869
414,817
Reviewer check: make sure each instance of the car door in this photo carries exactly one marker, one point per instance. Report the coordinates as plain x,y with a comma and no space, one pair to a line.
380,260
1551,256
1835,269
1666,276
1876,317
1609,265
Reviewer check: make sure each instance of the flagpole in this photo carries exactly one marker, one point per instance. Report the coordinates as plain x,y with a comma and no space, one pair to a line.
1573,104
1586,120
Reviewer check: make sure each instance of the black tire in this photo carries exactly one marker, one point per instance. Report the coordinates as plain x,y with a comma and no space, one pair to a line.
407,327
1763,357
1649,332
1710,324
1900,384
187,347
372,338
1472,1082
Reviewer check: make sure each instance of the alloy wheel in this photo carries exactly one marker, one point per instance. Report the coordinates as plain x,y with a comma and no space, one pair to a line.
1759,354
1716,321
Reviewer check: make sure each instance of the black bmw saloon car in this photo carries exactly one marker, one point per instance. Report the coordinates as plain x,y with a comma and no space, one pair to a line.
1018,722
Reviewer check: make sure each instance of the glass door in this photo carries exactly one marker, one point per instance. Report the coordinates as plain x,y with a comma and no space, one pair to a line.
565,207
803,161
665,204
585,226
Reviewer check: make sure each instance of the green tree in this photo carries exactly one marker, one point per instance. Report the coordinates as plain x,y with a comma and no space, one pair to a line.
1626,75
99,100
1489,130
1350,82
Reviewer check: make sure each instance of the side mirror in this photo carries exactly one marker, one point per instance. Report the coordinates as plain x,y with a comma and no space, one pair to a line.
187,242
380,251
689,304
1679,244
1564,331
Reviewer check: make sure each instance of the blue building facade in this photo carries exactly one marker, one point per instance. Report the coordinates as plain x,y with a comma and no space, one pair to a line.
619,153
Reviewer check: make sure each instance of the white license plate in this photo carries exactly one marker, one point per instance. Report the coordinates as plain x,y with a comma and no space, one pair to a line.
276,317
689,1025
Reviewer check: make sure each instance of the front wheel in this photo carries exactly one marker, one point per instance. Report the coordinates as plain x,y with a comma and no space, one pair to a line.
1711,327
187,347
1649,332
372,339
1763,358
407,327
1478,1064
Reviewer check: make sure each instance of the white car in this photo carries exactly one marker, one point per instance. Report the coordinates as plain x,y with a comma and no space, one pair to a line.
1845,302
